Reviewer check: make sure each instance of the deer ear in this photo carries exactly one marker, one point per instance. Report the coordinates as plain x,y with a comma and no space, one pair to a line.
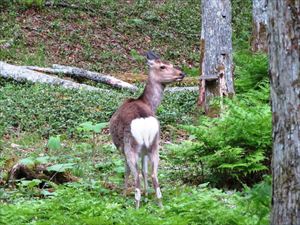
150,63
151,57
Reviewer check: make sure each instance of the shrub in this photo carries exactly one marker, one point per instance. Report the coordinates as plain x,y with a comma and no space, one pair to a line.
250,70
232,149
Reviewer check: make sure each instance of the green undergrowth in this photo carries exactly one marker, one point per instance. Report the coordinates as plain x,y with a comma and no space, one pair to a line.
234,149
96,198
84,204
250,70
64,128
52,110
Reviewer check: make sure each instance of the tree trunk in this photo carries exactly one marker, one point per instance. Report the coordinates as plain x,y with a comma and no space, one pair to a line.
284,55
259,27
216,65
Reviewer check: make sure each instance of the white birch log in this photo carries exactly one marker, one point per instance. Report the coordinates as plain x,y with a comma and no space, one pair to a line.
98,77
78,72
20,73
43,69
37,74
181,89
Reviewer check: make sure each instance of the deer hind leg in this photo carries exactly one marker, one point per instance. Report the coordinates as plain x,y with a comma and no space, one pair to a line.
154,158
126,178
145,172
132,162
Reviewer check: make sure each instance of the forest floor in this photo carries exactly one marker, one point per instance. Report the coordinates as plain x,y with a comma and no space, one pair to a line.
48,125
113,38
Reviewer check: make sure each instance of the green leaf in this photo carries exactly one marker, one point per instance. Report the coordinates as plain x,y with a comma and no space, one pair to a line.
61,167
119,169
89,126
136,56
48,193
30,183
99,126
54,143
86,126
27,161
42,160
136,21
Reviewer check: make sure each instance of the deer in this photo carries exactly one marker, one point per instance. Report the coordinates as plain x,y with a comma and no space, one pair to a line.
135,130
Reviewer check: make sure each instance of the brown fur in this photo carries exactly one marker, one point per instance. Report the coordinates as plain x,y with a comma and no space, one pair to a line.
160,74
121,119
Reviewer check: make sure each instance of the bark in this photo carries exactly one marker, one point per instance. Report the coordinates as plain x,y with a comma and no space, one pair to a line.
19,73
284,56
216,66
259,28
81,73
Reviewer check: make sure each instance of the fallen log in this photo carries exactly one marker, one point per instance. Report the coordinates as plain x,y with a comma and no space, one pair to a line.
20,171
181,89
81,73
38,74
20,73
98,77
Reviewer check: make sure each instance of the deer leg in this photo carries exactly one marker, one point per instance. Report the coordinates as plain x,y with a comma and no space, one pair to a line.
127,173
145,172
132,162
154,158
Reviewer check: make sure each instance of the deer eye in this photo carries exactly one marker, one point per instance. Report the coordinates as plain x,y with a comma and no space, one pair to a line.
162,67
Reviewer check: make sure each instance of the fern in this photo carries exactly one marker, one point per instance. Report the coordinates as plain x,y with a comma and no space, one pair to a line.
226,150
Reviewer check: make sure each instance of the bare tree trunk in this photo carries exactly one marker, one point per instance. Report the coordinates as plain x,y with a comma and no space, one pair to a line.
259,28
284,54
216,67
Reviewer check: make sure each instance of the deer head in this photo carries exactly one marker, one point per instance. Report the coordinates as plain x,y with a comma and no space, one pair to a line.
161,71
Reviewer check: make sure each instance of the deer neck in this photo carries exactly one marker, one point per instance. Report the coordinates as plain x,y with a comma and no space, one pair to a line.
153,94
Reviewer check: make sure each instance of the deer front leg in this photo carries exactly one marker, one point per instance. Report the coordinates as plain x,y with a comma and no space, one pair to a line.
154,158
132,162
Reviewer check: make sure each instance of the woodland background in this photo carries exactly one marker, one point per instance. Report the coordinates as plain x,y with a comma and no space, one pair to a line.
212,170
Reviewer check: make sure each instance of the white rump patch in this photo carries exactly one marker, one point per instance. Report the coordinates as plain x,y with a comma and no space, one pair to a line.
144,130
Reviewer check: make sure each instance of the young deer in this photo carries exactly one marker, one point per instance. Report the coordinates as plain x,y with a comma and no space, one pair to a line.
135,129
